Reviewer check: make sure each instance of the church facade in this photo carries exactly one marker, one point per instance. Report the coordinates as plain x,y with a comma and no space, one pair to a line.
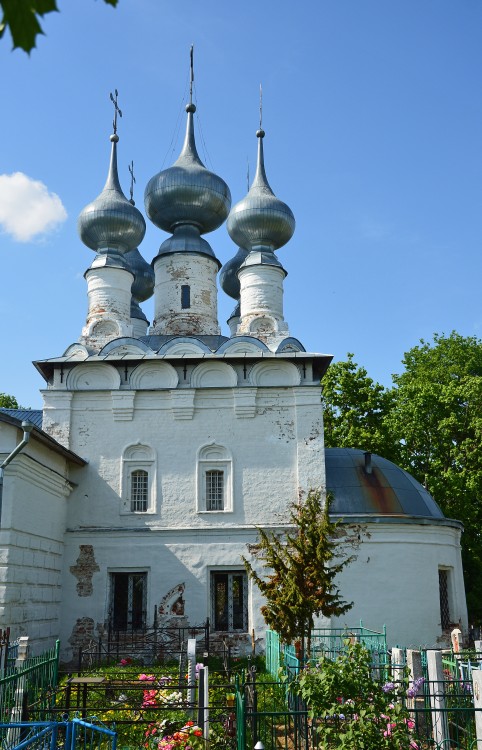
160,450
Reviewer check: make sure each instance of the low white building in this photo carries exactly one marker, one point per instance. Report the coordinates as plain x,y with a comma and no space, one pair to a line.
161,450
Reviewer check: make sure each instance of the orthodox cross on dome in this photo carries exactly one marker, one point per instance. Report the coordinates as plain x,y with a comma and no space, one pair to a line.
117,111
133,180
191,76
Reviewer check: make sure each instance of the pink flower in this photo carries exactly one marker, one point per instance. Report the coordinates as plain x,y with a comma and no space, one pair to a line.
388,731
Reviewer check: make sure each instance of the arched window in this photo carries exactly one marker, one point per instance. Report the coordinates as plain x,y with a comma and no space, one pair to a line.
214,485
138,480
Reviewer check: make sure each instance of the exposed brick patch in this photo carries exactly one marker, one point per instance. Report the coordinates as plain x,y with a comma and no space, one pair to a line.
82,633
84,569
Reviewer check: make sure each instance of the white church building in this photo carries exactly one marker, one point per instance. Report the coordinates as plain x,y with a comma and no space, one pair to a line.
160,449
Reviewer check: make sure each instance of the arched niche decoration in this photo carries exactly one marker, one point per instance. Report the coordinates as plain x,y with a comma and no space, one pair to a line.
104,329
138,452
153,376
126,345
263,325
184,346
274,373
291,344
243,346
213,452
76,351
93,377
213,374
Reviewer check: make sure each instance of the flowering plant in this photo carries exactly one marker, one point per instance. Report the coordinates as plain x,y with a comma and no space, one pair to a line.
349,709
159,694
163,736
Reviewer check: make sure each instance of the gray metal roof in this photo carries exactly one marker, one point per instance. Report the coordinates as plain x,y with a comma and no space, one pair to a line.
15,417
387,491
29,415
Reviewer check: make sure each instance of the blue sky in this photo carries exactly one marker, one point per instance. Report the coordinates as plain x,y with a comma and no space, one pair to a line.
373,119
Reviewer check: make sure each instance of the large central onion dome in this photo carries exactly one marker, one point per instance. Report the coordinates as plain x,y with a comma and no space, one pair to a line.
187,192
111,221
261,220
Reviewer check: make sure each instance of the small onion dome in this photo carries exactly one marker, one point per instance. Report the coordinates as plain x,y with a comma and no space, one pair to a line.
110,221
228,276
261,219
187,192
143,284
186,239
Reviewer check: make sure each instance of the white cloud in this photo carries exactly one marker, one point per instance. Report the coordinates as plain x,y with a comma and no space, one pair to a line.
27,208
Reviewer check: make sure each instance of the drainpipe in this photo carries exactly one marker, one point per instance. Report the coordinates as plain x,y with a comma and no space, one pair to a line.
27,429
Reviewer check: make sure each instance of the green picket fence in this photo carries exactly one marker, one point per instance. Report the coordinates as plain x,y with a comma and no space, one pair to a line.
329,642
28,690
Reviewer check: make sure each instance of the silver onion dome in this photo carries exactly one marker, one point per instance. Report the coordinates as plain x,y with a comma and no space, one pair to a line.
228,275
261,219
143,284
187,192
111,221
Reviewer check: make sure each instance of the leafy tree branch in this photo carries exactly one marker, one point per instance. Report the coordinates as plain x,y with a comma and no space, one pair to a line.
21,17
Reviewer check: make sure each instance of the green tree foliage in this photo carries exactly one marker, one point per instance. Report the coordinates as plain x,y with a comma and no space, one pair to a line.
437,418
301,567
355,410
429,423
8,402
22,18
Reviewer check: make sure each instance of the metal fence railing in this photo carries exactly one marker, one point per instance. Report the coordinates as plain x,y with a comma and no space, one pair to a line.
49,735
29,686
328,642
159,644
443,711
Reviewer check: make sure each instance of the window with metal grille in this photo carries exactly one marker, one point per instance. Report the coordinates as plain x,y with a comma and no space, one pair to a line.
139,490
214,489
443,584
185,297
229,600
128,601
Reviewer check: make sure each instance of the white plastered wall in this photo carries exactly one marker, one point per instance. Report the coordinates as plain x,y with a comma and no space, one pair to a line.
394,582
276,449
32,529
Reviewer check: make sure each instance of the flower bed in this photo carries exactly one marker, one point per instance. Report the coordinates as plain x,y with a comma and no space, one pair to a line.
155,709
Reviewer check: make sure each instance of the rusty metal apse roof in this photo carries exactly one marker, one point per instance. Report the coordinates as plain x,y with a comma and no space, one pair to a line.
366,484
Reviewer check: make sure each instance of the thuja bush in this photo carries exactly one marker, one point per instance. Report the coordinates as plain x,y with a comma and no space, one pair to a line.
349,709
